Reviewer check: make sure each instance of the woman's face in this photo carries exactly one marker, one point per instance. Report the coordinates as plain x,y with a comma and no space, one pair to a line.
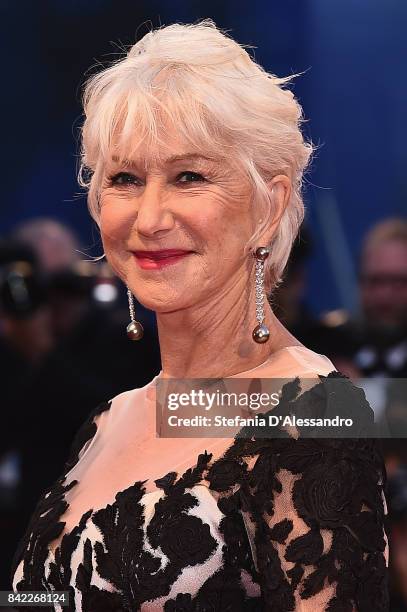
198,206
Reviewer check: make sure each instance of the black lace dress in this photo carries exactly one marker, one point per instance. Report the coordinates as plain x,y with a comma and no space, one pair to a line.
274,524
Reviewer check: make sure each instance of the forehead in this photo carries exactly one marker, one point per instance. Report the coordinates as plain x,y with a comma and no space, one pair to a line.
163,149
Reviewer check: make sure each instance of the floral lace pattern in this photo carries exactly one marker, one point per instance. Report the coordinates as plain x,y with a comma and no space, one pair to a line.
323,548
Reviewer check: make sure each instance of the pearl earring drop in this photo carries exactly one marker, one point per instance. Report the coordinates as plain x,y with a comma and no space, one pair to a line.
135,329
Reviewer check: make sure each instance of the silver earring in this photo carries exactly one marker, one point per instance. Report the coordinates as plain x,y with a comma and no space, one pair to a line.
261,332
135,329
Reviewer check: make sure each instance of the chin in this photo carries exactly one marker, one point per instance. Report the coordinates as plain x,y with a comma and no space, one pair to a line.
163,304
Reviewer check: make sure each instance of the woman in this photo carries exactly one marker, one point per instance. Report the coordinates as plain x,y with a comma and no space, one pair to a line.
196,160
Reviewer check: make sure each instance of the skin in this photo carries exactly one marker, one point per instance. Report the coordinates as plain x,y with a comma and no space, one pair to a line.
205,303
384,284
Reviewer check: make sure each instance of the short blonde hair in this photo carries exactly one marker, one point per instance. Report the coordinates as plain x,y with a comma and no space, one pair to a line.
219,99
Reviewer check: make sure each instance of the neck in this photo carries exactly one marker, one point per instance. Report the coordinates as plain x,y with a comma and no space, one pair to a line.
214,341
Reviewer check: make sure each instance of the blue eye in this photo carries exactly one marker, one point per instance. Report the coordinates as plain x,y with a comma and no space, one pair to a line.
190,177
123,178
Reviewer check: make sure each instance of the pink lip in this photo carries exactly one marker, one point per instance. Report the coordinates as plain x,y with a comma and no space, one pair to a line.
152,260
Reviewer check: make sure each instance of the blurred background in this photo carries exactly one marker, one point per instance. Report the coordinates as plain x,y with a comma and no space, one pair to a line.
63,346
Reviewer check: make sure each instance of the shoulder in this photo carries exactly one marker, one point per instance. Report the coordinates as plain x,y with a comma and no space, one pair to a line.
309,362
315,382
103,418
293,361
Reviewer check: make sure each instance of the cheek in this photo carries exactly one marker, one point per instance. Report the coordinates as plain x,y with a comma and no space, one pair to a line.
223,222
116,220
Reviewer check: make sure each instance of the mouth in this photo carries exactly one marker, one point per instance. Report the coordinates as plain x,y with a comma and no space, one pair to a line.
153,260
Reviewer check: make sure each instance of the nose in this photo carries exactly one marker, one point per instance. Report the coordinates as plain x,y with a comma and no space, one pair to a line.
153,215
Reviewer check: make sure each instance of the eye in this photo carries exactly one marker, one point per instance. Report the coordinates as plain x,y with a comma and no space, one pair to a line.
190,177
123,178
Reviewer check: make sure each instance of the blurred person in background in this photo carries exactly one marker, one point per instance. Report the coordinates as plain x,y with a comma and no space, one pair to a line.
70,278
383,282
376,340
25,328
379,336
61,346
57,251
55,245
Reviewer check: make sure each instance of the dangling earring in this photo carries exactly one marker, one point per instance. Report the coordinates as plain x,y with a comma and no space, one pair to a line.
261,332
135,329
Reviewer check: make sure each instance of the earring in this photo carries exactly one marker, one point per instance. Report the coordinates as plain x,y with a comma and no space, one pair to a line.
261,332
135,329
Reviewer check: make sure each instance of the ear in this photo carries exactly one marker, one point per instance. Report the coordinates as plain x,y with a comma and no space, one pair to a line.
280,188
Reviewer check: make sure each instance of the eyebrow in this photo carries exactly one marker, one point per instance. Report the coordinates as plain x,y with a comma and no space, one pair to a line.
186,156
169,160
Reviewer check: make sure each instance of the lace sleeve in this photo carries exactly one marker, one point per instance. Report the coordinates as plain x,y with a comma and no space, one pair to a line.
314,512
324,532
